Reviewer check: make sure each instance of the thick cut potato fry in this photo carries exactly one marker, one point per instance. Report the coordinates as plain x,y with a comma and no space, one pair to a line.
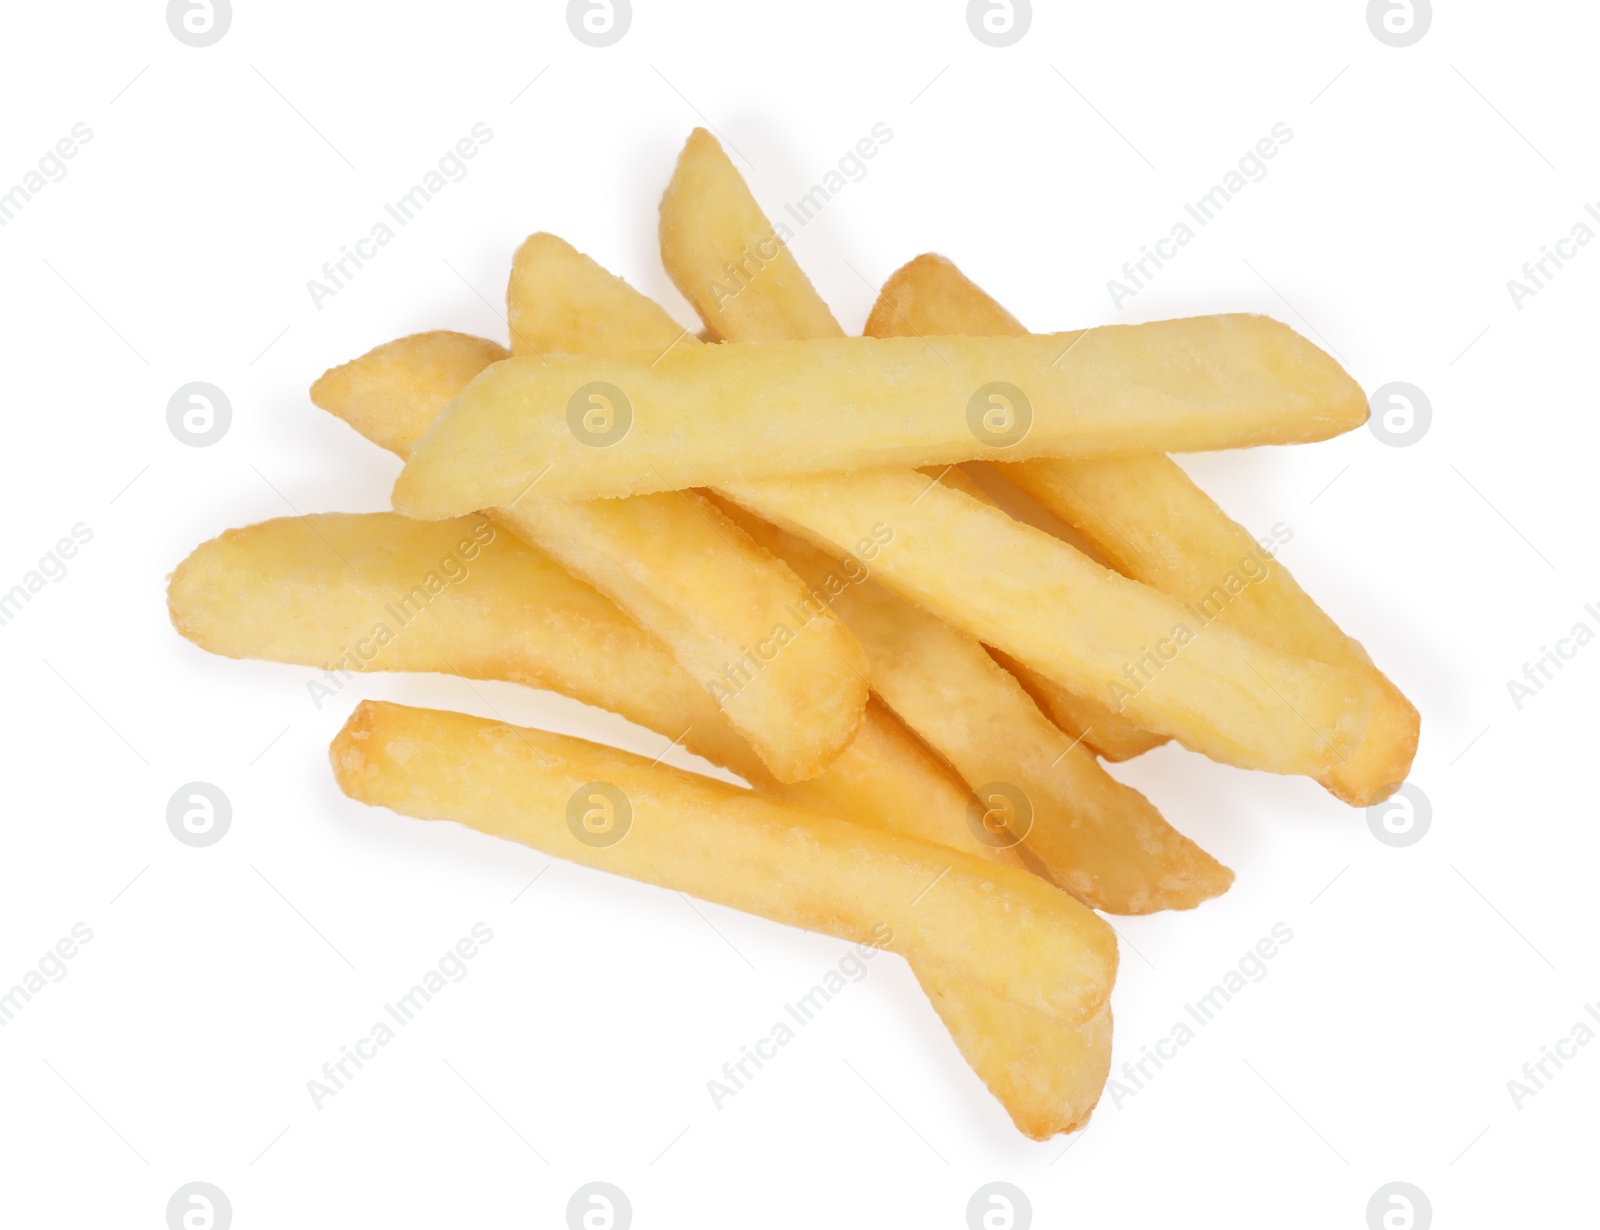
350,592
1102,729
1108,733
730,613
1146,515
1101,840
998,928
698,416
1048,1078
556,304
715,243
1019,589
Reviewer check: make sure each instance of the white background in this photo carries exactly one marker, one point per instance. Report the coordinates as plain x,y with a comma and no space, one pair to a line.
219,980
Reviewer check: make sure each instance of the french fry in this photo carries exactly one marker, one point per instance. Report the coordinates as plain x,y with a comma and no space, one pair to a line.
357,592
697,416
794,687
1102,729
1103,841
555,304
995,927
1108,733
1149,518
1048,1078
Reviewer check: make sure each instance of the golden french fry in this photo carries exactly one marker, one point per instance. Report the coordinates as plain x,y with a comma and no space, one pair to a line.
1019,589
1103,730
560,302
996,927
1036,788
1048,1078
1109,734
1151,520
792,682
354,592
697,416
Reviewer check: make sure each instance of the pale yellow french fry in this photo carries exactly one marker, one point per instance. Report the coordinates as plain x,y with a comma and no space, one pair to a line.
793,683
1048,1078
560,302
1103,730
1039,789
698,416
1019,589
1148,517
1108,733
996,927
356,592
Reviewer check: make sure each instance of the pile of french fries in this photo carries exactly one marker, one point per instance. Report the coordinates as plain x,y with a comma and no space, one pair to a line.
759,541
